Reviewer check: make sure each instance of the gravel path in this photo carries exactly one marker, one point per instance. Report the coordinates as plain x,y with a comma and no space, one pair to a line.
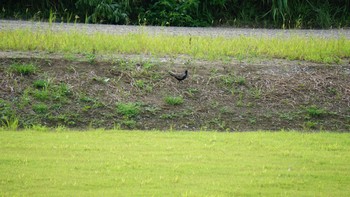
198,31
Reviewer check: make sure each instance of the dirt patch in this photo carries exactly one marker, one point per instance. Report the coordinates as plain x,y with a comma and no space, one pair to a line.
232,96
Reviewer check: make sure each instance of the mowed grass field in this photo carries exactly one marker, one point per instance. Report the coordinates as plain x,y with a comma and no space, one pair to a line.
154,163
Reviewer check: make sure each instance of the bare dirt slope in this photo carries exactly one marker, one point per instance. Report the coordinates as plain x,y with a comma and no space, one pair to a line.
232,96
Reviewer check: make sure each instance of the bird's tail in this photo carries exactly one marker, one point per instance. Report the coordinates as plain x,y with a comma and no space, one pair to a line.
172,74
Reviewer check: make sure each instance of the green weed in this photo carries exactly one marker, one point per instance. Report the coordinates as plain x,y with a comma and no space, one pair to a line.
23,69
129,123
86,108
64,89
192,91
229,80
87,99
40,84
240,80
128,109
140,83
25,98
152,109
173,100
252,120
143,85
288,116
40,108
10,123
310,125
70,57
224,109
169,116
8,117
148,65
240,99
315,112
41,95
218,122
38,127
256,92
91,57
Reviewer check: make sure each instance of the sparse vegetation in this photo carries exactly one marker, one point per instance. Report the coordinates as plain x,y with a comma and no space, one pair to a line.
215,100
230,79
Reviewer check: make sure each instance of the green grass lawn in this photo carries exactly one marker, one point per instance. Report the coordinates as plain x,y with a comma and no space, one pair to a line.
135,163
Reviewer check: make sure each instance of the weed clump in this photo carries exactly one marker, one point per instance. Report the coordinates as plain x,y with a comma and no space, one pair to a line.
7,115
64,90
23,69
128,109
41,95
40,108
174,100
315,112
40,84
229,80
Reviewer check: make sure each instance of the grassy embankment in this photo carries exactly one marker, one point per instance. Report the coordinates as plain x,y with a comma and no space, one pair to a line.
316,49
155,163
175,163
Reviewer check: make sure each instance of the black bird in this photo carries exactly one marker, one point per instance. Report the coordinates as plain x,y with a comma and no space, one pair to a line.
179,77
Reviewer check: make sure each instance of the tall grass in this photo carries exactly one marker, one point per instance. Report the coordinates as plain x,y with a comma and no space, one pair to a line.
121,163
213,48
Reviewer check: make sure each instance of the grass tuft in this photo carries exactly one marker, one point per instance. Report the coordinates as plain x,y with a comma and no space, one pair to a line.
314,111
128,109
23,69
174,100
40,108
40,84
41,95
